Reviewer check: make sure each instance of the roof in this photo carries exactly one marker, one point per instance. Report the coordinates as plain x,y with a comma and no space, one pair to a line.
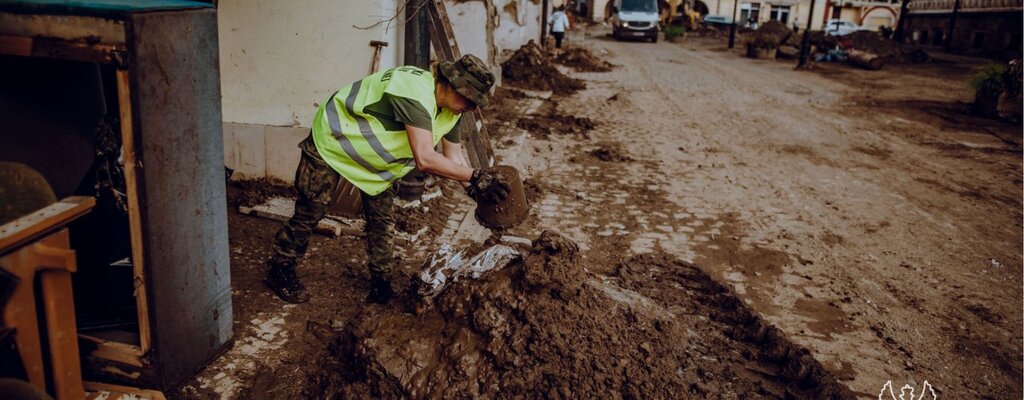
98,8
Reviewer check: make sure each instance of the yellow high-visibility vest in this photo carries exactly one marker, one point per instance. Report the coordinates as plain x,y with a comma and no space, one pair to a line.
356,144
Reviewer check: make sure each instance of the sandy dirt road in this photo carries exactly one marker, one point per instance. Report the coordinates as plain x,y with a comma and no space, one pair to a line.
861,212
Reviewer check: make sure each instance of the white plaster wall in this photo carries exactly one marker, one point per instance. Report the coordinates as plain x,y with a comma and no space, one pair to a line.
513,31
798,11
597,10
278,58
469,23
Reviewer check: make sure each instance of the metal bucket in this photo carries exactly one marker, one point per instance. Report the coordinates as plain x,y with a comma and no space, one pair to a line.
510,212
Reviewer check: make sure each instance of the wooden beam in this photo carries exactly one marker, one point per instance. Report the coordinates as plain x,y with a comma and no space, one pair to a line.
30,227
131,178
61,49
123,353
15,45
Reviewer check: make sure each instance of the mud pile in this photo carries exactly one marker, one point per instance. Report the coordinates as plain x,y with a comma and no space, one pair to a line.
531,68
609,154
888,49
543,126
582,60
544,327
248,193
772,33
871,42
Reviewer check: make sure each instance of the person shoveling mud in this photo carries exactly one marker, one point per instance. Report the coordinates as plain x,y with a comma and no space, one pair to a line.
370,133
544,327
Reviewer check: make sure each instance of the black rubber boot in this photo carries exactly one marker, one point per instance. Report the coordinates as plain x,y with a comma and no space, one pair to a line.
284,282
380,290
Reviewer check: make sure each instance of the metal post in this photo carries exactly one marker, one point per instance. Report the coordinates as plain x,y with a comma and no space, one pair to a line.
417,34
732,28
952,27
805,42
898,35
543,24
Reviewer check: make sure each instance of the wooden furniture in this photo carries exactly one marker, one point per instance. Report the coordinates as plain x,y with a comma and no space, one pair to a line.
35,249
156,78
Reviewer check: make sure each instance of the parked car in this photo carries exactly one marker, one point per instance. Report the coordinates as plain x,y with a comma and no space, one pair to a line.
835,27
717,20
635,19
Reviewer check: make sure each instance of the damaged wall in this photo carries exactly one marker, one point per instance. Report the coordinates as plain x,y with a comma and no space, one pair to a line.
487,28
519,22
279,60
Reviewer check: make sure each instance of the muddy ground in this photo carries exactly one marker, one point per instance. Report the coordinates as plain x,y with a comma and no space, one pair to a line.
865,214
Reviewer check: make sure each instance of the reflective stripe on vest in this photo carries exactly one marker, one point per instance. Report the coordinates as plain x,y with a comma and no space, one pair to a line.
356,144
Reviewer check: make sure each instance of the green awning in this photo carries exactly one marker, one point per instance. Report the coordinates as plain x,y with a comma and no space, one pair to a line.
97,8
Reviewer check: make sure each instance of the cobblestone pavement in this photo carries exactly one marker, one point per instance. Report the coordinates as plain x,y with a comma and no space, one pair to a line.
879,241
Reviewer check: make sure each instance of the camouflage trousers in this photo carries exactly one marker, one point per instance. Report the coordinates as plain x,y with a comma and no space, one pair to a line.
315,181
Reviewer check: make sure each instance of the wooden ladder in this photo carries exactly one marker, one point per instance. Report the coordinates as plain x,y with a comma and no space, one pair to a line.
474,132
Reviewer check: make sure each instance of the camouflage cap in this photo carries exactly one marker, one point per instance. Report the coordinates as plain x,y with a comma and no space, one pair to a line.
470,77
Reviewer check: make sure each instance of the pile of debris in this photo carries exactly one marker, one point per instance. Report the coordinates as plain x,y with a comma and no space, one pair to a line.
543,125
887,49
708,30
532,68
771,34
252,192
582,60
543,326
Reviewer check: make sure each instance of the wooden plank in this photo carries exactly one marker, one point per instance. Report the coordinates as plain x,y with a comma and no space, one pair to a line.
30,227
134,215
56,261
20,312
71,28
281,209
16,45
114,351
126,390
346,200
477,142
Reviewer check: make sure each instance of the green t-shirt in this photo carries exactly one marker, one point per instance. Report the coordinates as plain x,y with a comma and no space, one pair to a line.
396,112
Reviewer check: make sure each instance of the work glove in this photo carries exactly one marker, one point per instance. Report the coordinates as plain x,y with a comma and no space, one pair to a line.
487,185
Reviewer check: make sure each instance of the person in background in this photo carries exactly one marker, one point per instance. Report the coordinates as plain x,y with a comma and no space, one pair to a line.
559,23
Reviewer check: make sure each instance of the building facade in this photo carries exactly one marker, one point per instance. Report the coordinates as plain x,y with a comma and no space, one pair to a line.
871,15
990,28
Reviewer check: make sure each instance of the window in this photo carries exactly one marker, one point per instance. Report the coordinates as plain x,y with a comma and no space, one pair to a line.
922,37
937,37
978,40
640,5
1013,41
780,13
749,11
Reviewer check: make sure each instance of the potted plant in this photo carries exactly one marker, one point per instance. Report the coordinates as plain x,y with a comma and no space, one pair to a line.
763,47
674,33
988,85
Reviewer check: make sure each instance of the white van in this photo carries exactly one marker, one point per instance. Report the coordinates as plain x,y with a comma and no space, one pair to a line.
635,19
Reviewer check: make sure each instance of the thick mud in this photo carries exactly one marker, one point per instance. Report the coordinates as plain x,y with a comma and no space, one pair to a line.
532,68
544,326
253,192
872,42
582,59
